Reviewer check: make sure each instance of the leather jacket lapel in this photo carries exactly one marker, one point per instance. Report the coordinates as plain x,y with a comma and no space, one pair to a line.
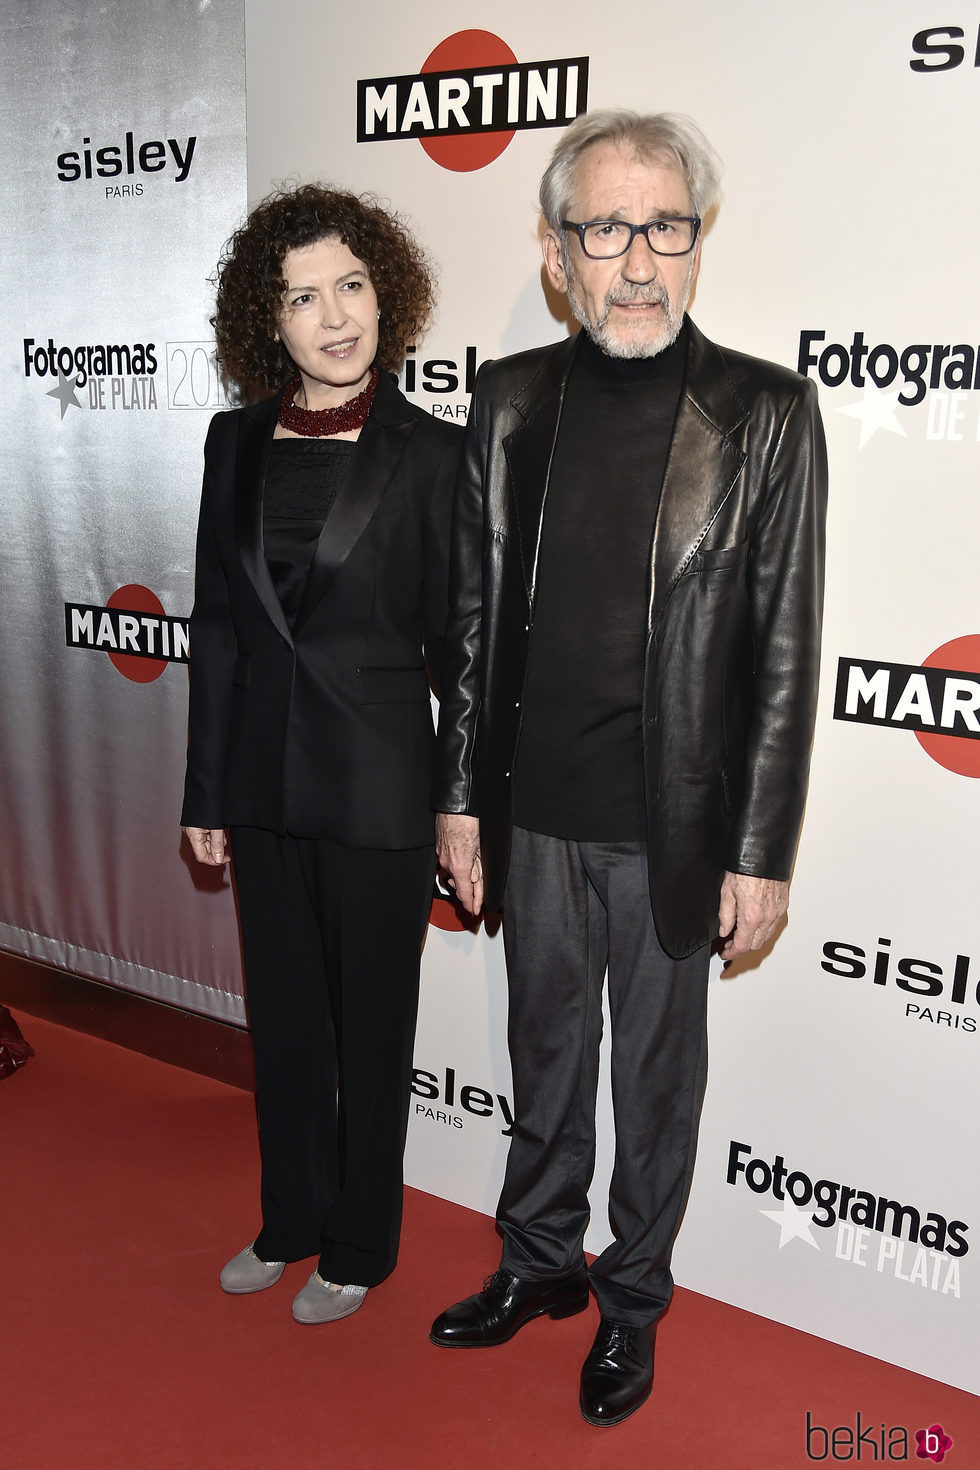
530,450
702,468
255,433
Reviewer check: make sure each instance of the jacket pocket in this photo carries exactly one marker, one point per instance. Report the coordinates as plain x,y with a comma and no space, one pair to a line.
720,558
392,686
728,792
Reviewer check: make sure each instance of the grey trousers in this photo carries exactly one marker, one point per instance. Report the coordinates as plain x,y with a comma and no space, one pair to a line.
569,909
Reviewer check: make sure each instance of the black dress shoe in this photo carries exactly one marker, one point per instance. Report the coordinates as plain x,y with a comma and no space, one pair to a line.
504,1305
617,1376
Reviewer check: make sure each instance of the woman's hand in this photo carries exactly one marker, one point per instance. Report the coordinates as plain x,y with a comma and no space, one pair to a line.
208,844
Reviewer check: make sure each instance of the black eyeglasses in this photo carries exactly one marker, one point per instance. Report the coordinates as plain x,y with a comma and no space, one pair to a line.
604,239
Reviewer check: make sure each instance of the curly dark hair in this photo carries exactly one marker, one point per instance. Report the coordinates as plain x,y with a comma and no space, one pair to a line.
250,281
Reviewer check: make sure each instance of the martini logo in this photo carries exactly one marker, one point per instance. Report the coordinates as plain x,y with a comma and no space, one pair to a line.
469,98
446,914
939,700
133,629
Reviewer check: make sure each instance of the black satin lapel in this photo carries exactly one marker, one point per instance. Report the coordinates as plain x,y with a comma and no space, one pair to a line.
529,451
373,466
702,469
254,438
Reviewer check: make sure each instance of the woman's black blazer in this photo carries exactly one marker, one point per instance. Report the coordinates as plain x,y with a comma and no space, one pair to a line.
326,731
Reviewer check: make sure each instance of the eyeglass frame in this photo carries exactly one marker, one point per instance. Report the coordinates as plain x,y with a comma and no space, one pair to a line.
691,219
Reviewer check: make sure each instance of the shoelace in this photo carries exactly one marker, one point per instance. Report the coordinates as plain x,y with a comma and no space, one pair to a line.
498,1284
615,1334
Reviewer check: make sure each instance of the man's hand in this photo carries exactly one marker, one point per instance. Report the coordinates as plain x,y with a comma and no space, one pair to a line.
458,851
749,912
208,844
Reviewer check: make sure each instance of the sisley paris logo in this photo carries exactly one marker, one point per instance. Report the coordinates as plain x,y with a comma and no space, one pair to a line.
441,1097
434,381
468,99
938,49
945,996
130,160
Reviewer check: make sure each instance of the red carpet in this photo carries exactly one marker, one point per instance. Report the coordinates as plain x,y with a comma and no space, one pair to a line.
124,1186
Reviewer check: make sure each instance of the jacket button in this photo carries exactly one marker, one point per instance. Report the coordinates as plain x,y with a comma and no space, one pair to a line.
527,627
517,704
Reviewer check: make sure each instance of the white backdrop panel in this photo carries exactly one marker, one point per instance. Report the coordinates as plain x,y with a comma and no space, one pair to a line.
847,211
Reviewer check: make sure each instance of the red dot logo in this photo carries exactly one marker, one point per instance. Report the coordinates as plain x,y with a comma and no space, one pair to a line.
136,599
461,52
444,914
953,751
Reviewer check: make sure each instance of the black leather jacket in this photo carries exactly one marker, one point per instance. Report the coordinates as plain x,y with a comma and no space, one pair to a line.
733,625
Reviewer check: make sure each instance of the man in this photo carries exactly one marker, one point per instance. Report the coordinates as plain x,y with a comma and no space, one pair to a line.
627,718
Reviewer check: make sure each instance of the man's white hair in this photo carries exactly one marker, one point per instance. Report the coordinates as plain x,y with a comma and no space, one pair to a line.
650,136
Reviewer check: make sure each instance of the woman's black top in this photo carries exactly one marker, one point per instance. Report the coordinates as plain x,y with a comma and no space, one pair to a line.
302,479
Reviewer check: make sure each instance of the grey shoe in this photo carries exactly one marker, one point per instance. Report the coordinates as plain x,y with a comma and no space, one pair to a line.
245,1272
322,1301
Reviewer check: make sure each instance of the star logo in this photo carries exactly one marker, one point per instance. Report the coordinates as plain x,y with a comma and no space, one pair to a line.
65,393
793,1224
876,411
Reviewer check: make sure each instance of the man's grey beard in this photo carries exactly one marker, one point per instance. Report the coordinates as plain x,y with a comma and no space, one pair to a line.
624,294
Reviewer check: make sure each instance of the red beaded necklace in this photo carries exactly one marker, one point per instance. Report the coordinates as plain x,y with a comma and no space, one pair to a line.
317,423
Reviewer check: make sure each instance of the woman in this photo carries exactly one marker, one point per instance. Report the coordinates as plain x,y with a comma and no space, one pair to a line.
321,578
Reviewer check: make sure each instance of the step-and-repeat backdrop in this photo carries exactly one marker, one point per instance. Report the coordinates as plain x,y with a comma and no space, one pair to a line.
124,162
836,1188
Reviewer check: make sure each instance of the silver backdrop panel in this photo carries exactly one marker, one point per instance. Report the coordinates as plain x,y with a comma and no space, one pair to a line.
124,174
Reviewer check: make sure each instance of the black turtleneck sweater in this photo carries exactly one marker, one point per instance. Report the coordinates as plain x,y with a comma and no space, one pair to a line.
578,772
